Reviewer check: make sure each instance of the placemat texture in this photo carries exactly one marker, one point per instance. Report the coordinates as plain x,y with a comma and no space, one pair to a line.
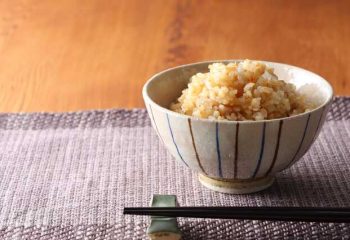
69,175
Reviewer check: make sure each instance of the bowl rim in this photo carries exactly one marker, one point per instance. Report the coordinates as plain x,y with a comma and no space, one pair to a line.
149,100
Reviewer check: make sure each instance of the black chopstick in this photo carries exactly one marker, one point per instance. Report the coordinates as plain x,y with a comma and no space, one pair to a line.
305,214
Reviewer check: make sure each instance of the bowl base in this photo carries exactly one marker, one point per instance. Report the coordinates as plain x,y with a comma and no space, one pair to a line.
236,186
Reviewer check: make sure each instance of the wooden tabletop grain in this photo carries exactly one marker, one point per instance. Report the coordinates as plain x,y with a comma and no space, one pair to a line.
72,55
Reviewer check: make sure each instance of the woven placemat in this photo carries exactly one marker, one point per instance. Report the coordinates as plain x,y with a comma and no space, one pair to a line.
69,175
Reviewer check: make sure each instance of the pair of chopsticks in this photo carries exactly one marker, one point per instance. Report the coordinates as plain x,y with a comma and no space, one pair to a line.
305,214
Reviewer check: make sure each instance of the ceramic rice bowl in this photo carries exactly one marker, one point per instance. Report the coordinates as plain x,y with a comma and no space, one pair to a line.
235,156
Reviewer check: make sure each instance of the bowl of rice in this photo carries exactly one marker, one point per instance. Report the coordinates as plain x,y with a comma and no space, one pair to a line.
237,122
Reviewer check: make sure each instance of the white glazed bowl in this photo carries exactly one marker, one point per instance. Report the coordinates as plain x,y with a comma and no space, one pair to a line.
235,156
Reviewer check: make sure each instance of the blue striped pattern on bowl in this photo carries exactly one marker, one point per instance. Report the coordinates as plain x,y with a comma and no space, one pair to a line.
237,150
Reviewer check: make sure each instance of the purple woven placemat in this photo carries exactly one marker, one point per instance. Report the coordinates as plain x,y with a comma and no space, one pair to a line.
69,175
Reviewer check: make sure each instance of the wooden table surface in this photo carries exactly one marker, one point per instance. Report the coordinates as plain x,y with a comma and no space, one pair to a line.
70,55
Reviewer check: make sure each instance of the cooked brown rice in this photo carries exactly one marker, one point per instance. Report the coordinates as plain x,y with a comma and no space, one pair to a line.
248,90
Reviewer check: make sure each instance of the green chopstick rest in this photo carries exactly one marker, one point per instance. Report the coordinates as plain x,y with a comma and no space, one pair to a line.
163,228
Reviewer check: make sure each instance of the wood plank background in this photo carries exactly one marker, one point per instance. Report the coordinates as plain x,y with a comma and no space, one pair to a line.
71,55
